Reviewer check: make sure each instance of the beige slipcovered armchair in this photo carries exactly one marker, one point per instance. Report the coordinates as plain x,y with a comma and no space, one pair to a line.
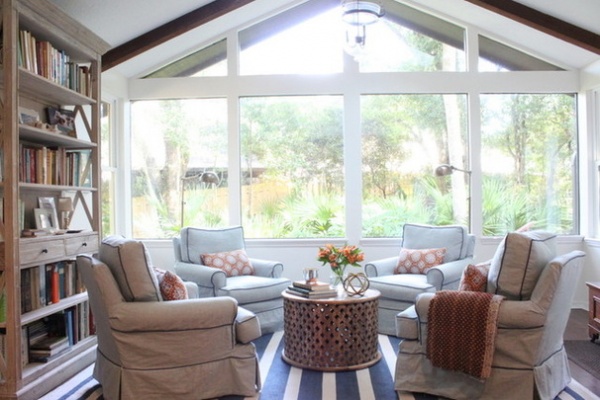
528,357
149,348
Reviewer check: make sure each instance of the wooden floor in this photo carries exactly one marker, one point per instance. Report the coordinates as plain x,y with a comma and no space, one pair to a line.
577,330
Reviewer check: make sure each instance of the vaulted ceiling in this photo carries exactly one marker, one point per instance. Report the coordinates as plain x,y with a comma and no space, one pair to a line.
146,33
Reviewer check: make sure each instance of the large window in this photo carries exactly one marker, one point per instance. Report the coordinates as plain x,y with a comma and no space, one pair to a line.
179,166
404,139
529,148
318,145
109,168
292,167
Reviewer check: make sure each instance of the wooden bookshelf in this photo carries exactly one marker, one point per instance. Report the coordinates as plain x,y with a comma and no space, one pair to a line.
50,32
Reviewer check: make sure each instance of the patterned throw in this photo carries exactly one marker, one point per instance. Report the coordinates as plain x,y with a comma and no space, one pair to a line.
461,331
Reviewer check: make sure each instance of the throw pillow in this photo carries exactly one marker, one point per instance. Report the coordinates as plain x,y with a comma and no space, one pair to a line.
474,277
418,261
518,263
233,263
172,287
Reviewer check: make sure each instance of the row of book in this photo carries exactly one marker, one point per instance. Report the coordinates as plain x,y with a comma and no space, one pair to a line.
42,58
48,284
54,166
311,290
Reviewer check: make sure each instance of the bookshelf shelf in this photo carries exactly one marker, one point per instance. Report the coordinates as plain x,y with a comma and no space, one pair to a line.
48,61
53,308
47,138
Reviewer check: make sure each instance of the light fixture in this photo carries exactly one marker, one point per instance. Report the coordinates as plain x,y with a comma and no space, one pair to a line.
357,14
447,169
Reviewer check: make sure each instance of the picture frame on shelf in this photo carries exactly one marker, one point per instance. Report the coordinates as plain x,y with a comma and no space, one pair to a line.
44,220
63,119
49,203
28,116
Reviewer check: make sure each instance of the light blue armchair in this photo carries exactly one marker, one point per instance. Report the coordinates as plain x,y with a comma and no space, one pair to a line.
259,292
399,291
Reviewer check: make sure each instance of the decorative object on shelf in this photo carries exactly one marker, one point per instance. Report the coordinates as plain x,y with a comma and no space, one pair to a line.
28,117
357,14
49,204
64,120
356,284
311,275
44,220
65,208
339,258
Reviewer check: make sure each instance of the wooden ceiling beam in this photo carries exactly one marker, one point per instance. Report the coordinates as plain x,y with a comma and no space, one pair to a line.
168,31
543,22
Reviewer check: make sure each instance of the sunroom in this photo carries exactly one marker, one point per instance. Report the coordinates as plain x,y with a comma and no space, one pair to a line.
269,117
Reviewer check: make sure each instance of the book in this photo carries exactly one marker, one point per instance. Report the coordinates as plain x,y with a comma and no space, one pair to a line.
310,294
318,286
50,343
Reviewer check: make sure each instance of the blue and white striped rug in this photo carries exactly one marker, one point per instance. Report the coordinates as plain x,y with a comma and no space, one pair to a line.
283,382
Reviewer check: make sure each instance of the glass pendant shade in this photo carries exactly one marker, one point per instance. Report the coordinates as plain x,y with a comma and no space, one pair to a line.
357,15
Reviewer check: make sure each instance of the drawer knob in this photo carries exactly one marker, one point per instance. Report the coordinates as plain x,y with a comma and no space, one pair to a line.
44,251
84,244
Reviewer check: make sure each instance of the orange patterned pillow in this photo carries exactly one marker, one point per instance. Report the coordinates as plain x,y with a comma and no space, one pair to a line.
474,277
171,286
234,263
418,261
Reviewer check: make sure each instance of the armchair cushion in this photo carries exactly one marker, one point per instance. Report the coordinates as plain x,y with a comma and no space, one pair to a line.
418,261
196,241
518,263
454,238
130,264
233,263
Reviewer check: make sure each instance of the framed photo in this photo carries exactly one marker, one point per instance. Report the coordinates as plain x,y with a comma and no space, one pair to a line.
64,120
49,204
44,219
28,116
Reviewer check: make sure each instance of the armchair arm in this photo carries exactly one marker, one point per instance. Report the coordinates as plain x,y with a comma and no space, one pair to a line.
170,334
143,316
445,274
381,267
267,268
512,315
205,277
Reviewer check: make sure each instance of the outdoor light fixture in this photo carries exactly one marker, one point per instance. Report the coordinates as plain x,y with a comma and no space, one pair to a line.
447,169
357,14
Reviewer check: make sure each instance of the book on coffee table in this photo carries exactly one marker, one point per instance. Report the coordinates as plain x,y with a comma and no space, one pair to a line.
310,294
315,287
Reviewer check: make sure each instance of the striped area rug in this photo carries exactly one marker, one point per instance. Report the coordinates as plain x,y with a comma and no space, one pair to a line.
283,382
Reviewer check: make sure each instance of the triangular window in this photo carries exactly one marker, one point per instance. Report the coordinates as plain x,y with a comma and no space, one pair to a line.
495,56
209,61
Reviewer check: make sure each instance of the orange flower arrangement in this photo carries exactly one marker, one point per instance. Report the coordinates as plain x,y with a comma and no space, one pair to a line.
339,258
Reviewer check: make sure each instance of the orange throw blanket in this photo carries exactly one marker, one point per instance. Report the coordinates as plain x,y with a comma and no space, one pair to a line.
461,331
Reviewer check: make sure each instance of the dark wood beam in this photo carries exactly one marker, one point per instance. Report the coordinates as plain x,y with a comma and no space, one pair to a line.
543,22
169,30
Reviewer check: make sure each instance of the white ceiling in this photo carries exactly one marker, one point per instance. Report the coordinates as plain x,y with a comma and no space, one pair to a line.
118,21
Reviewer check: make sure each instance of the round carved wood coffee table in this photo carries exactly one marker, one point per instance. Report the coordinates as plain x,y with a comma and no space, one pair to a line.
334,334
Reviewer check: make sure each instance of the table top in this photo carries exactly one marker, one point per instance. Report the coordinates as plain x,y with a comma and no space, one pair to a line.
369,295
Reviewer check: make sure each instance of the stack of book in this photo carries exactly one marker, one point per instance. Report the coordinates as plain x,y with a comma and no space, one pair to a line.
316,290
47,348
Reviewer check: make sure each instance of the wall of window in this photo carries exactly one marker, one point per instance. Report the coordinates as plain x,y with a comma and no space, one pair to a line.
312,147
